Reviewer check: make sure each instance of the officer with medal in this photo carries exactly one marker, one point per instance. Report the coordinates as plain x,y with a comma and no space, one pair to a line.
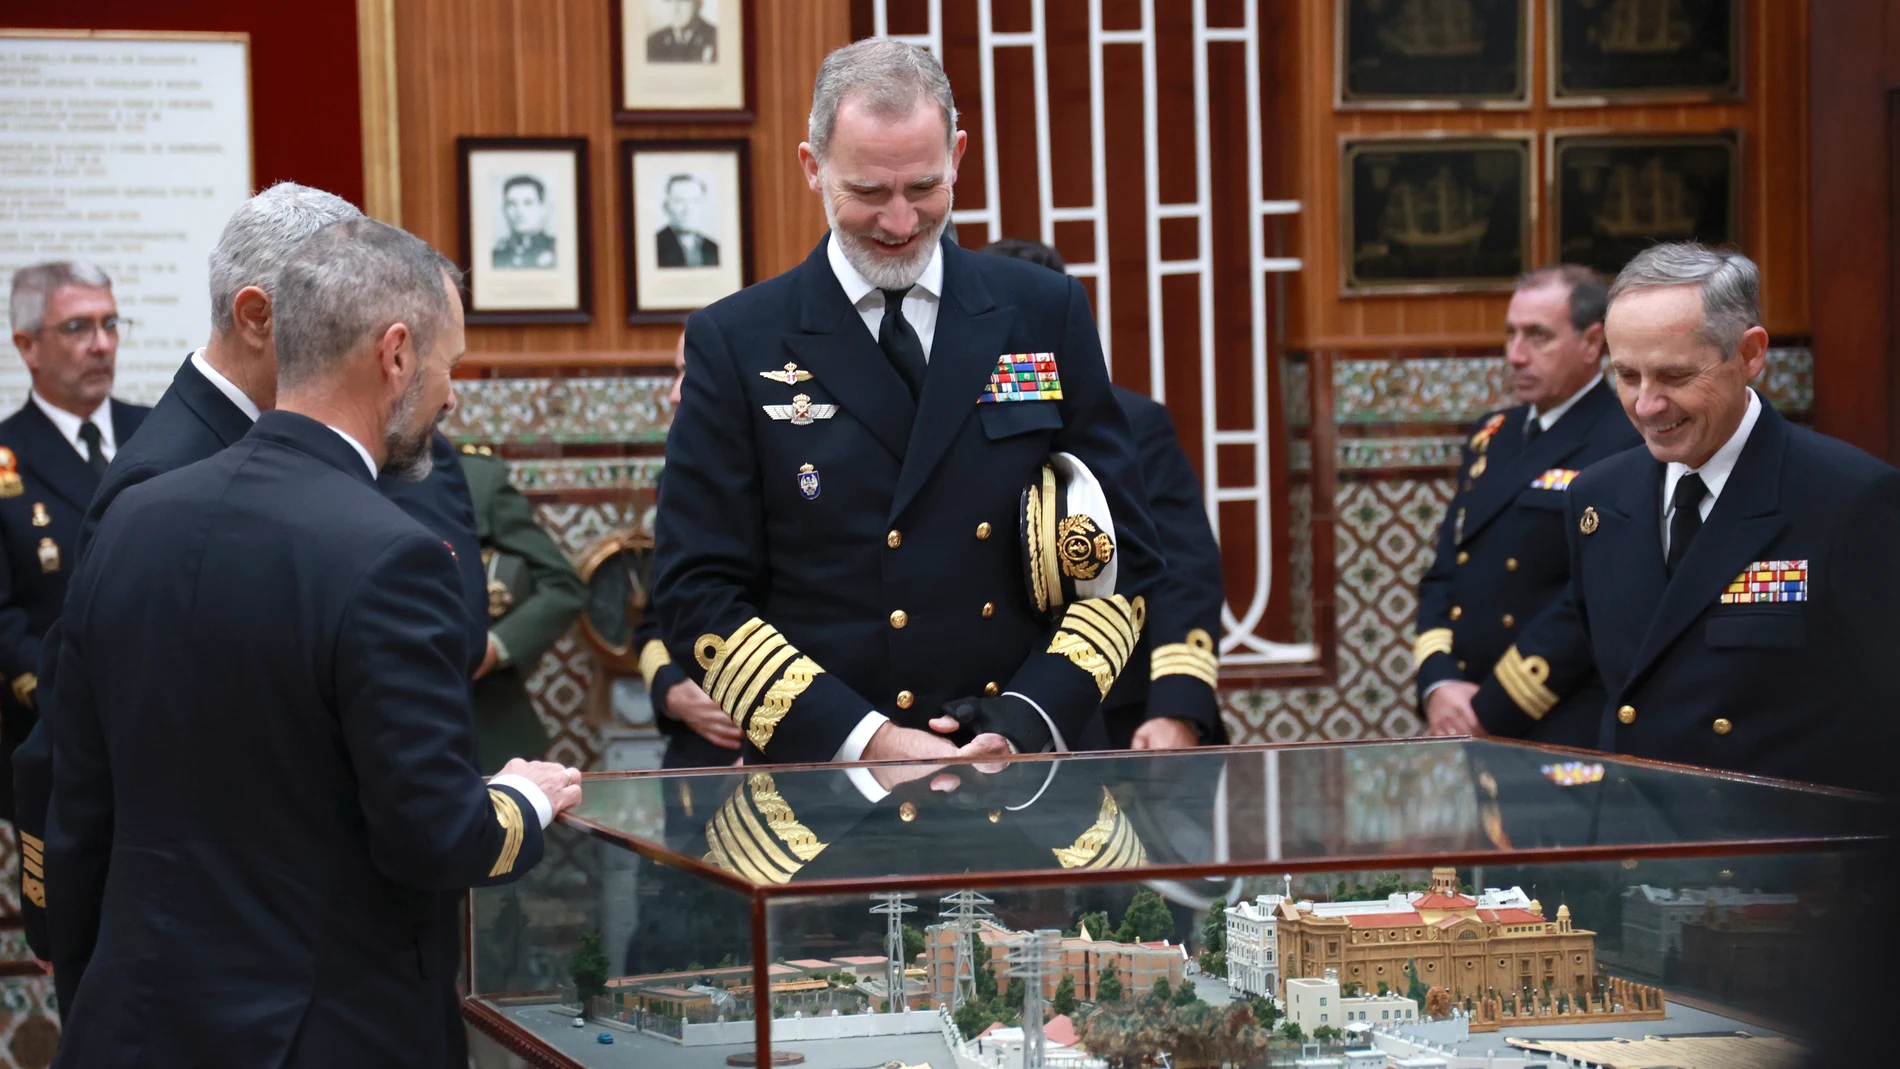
901,507
1501,556
686,36
53,452
534,594
524,204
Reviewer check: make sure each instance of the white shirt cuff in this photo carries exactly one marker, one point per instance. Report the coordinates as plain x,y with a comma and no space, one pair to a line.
853,750
1057,744
543,809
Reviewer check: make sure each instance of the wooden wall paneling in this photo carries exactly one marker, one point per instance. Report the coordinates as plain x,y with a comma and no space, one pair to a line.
521,68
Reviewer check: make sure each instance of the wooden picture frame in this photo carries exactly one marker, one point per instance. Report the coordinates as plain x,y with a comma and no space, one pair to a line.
702,73
1436,213
1383,62
1600,54
1613,194
686,225
522,202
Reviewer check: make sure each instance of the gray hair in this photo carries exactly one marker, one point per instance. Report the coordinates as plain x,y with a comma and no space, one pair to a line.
888,77
260,236
33,284
346,285
1729,282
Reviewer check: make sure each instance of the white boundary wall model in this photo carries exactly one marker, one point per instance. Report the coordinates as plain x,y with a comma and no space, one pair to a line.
1239,645
796,1029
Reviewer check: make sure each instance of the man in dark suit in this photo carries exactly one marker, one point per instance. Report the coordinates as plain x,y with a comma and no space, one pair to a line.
1170,699
1736,580
679,243
1501,555
685,38
284,911
52,453
215,395
838,559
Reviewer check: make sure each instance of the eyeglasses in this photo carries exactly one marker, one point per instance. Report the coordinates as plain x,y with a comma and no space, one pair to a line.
83,328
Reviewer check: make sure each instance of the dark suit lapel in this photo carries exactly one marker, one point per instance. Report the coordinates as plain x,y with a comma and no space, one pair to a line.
50,457
1745,518
1514,475
225,420
844,359
312,438
126,420
971,332
1497,482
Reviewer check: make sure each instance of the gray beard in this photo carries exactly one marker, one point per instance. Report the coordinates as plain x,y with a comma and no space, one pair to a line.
882,271
409,456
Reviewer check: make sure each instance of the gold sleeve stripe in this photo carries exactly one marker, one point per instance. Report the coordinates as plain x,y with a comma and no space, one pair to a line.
744,863
1046,533
33,855
778,701
748,821
1116,629
784,823
764,676
24,687
1437,640
1032,542
742,659
1097,635
1523,679
508,815
1194,657
653,657
1109,843
1107,639
712,652
35,890
740,667
755,830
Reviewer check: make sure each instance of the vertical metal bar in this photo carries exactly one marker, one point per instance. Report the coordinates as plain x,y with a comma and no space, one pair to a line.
1098,175
761,989
1151,175
1045,177
986,80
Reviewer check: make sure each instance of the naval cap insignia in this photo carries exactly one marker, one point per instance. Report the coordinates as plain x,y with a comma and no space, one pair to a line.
791,375
1587,523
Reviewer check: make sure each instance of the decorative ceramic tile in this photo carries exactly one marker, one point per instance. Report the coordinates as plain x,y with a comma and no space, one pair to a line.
585,473
1417,390
1788,380
568,411
1299,455
29,1022
1299,498
1296,391
1373,454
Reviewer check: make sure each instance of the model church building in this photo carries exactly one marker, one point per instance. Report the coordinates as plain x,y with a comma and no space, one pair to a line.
1497,941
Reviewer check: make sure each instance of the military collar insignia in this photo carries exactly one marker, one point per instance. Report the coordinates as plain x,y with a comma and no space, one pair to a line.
40,516
1482,439
801,411
791,375
1587,523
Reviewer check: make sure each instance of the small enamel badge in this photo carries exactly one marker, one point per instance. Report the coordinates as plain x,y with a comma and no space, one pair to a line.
1477,469
49,555
790,375
801,411
1482,439
11,485
40,517
808,482
1587,523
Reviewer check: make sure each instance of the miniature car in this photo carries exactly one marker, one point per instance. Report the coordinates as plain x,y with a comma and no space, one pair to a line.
580,1022
603,1038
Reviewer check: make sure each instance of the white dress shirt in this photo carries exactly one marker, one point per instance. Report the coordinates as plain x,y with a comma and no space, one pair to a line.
69,425
225,386
543,809
1547,420
921,305
1715,471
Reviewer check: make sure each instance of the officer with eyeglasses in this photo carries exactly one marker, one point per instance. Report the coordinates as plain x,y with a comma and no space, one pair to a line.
52,454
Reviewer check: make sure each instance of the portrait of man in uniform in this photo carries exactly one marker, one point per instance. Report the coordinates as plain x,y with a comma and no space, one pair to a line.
524,207
680,32
683,241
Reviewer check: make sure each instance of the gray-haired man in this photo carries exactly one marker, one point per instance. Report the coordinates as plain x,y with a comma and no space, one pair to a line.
1736,580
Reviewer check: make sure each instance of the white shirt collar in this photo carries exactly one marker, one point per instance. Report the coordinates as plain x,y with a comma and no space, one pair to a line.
225,386
368,461
1716,470
69,424
857,287
1549,419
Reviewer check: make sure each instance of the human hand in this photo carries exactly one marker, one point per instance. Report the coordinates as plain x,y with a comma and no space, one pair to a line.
1448,710
1166,733
561,784
688,704
490,658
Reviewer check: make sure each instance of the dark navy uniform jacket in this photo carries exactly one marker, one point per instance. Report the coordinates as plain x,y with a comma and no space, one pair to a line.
1176,669
39,532
1502,559
1771,648
807,574
264,776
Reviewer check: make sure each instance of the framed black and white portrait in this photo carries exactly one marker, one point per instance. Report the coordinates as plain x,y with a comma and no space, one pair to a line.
687,218
682,60
525,229
1447,213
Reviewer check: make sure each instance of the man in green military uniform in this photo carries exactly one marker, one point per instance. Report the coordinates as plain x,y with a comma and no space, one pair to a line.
524,203
534,594
686,37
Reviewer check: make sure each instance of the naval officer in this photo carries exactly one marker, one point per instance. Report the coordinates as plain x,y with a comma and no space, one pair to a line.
1501,554
900,501
1735,580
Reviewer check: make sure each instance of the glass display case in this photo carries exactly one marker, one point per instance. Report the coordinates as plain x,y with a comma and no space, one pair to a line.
1361,904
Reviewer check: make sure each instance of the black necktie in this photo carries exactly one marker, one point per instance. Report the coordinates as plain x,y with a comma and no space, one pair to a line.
899,341
1687,520
1532,428
95,453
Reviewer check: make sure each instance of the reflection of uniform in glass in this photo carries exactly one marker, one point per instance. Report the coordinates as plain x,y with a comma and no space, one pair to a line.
524,204
679,243
686,38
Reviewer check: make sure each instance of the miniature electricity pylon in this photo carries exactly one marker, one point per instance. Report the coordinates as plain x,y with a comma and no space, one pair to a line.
1032,957
892,905
965,913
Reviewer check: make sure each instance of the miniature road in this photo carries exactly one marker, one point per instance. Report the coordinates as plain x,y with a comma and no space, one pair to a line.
1681,1020
634,1050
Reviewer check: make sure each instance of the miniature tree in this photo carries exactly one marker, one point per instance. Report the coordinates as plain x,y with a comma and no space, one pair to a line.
1161,992
1351,990
1293,1031
1214,963
1384,989
1326,1033
1416,990
1437,1003
1214,930
980,962
1064,1002
1184,995
1108,987
913,944
1013,995
1147,920
588,967
1096,923
1264,1011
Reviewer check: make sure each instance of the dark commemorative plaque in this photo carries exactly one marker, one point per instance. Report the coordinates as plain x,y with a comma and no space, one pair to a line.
1677,49
1432,52
1618,195
1435,215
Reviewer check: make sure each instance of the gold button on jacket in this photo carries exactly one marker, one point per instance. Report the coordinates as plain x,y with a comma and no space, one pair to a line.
993,690
983,530
989,609
905,699
1722,725
1626,715
894,539
899,618
1509,620
1463,556
1456,612
1510,564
